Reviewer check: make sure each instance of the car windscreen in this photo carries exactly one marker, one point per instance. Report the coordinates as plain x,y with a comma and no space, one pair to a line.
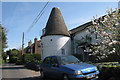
68,60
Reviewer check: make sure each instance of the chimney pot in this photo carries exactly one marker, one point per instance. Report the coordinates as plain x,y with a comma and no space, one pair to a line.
29,43
35,41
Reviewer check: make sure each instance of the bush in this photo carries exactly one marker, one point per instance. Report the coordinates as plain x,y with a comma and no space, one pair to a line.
32,65
19,62
32,61
111,58
38,62
13,59
107,72
28,58
37,56
31,57
13,56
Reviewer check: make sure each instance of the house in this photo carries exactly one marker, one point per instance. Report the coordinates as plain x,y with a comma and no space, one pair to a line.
81,41
57,40
34,48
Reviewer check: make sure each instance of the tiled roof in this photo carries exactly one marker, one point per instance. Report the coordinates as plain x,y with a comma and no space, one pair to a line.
56,24
84,26
80,28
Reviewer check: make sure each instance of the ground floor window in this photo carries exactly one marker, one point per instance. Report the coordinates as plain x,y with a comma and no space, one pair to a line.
63,51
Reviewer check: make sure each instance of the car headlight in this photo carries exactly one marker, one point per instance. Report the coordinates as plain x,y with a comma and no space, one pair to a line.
78,73
96,69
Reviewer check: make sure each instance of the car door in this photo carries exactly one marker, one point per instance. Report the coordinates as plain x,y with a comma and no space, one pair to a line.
55,68
46,66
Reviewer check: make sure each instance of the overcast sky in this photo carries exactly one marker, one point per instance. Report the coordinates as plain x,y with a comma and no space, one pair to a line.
18,16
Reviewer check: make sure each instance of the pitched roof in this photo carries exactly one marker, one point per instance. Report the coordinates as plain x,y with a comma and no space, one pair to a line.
80,28
84,26
56,24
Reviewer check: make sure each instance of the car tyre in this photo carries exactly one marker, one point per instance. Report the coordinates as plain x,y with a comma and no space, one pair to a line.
42,75
65,77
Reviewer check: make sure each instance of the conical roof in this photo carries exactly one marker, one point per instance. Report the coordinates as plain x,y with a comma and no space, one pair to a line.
56,24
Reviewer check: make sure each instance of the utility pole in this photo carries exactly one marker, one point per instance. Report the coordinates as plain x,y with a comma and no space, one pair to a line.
23,44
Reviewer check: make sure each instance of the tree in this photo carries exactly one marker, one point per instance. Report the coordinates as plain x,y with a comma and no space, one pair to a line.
107,31
3,41
13,55
4,55
3,38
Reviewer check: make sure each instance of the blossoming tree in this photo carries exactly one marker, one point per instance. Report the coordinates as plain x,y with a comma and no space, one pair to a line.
107,32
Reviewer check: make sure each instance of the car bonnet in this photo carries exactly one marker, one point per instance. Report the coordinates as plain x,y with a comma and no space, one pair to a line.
79,66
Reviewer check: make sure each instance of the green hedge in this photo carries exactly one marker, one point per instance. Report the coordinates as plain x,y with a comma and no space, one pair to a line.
108,72
38,62
111,58
28,58
37,56
13,59
31,57
19,62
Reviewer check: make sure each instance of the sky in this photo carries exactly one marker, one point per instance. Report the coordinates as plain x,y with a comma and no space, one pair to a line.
18,16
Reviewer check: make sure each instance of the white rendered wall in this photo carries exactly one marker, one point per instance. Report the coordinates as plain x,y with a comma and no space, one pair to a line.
79,35
52,45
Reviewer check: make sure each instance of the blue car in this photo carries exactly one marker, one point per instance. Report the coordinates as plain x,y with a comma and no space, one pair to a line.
67,68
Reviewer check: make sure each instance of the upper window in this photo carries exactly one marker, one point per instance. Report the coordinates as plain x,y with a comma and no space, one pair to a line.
43,31
47,60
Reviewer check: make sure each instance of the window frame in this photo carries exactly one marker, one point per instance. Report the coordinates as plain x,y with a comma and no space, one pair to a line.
45,60
51,60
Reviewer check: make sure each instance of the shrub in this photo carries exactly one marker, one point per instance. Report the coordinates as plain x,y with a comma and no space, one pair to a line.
38,62
37,56
32,61
28,58
32,65
13,59
107,72
19,62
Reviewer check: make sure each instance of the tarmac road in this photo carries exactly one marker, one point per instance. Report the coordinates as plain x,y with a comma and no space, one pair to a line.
18,72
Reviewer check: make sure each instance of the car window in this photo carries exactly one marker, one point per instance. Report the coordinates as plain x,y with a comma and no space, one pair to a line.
47,60
69,59
54,60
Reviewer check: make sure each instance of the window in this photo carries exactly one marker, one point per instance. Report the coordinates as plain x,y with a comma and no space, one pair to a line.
43,31
39,46
54,60
63,51
68,59
47,60
29,50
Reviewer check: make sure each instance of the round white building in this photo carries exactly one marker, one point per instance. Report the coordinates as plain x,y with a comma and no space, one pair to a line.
56,38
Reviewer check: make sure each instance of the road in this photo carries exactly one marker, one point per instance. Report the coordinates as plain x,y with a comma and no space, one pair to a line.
15,72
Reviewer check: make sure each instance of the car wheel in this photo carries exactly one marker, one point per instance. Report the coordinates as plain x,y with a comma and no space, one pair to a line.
65,77
42,75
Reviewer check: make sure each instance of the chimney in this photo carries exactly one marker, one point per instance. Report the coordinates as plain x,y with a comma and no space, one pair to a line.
29,43
35,41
